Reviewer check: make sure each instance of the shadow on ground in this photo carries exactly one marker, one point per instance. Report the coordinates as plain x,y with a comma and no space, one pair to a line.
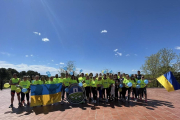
151,105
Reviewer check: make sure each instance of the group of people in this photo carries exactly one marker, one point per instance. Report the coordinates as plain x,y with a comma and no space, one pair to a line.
106,87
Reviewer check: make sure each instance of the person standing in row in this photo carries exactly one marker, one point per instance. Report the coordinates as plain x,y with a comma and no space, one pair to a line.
25,84
87,88
116,86
94,89
99,86
127,88
105,84
66,83
13,82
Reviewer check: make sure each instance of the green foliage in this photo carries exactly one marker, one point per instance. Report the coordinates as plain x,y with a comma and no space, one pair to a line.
163,61
7,74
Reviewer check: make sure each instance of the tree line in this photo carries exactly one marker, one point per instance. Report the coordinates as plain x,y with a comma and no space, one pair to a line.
163,61
7,74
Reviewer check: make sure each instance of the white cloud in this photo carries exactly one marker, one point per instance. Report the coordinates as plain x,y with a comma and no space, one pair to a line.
134,70
48,63
57,64
52,60
115,54
127,55
178,47
45,39
27,56
24,67
36,33
61,63
104,31
5,53
31,55
115,50
34,60
135,54
120,54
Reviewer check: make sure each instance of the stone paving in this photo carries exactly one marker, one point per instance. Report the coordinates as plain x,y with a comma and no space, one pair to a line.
161,105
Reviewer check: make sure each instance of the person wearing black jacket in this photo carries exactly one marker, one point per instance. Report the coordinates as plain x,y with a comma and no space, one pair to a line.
139,77
117,81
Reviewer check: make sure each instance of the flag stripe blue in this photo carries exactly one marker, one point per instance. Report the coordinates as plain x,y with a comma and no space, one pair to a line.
45,89
169,76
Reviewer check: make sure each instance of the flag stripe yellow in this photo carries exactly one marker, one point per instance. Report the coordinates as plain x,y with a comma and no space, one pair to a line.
167,85
38,100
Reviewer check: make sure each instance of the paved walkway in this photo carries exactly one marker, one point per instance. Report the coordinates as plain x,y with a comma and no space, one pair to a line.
161,105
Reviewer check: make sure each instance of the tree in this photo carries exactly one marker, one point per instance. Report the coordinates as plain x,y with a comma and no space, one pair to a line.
70,65
22,73
160,63
4,76
12,71
31,73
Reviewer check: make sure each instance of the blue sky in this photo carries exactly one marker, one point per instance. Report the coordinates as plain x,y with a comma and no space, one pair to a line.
41,34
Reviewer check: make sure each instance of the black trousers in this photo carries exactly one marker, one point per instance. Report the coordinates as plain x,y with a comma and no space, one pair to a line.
94,91
107,92
142,91
23,95
116,92
123,92
87,91
129,91
134,92
120,94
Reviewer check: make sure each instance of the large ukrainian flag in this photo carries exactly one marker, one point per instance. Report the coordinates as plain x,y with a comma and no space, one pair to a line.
45,94
169,82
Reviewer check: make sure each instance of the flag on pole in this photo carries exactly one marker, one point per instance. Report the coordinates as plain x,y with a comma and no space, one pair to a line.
169,82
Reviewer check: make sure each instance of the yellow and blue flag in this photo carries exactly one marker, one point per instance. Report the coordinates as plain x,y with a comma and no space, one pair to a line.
45,94
169,82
